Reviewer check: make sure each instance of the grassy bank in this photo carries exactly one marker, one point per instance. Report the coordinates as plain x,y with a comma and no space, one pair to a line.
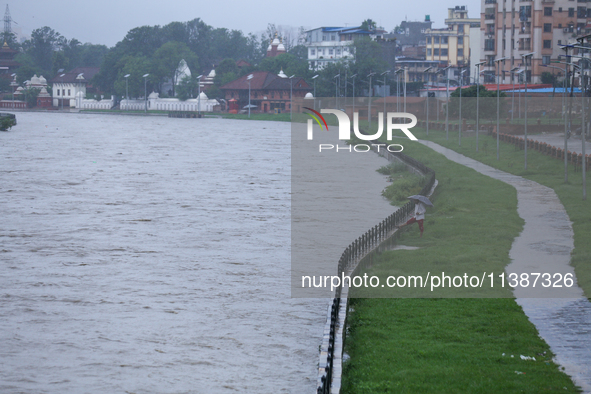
427,345
544,170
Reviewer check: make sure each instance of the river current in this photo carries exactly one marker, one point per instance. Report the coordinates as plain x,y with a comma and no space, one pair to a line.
152,255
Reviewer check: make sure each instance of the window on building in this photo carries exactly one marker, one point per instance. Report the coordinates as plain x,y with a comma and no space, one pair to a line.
571,12
560,25
312,52
581,12
436,40
461,52
281,94
504,44
444,40
547,11
58,92
547,27
460,28
428,51
545,59
428,40
436,52
490,60
333,37
547,44
524,12
559,42
444,52
338,51
559,9
330,51
69,94
461,40
489,44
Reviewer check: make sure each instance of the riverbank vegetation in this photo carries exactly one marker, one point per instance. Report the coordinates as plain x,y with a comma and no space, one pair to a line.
450,345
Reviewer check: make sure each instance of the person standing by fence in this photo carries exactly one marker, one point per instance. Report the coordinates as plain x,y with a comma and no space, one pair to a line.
421,203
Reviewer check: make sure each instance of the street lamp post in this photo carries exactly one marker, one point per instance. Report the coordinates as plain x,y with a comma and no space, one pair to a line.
460,116
384,92
426,71
63,90
353,83
369,101
525,59
513,91
290,97
13,85
199,96
478,100
251,76
126,93
336,91
314,79
145,76
447,103
404,76
497,61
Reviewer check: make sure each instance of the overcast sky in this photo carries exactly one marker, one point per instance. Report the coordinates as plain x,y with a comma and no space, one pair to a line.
107,21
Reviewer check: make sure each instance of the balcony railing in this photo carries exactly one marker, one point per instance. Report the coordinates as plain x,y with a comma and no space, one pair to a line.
489,16
490,1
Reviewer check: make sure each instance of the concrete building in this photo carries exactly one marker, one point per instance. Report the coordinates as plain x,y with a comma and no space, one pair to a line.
332,44
65,89
512,28
452,44
411,37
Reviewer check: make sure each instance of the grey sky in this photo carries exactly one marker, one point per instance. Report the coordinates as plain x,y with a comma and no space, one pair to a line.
107,21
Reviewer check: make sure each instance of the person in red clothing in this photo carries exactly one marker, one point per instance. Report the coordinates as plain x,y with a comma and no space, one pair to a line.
419,217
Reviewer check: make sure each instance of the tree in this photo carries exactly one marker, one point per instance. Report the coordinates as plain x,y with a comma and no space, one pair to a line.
548,78
136,67
186,87
168,57
41,46
368,25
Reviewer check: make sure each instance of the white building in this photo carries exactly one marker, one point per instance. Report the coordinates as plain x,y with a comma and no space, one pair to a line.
65,88
332,44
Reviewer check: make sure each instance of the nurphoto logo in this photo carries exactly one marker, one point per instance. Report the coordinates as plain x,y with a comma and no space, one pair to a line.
345,129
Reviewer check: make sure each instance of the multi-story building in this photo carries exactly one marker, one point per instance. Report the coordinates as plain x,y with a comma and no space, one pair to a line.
452,44
332,44
513,28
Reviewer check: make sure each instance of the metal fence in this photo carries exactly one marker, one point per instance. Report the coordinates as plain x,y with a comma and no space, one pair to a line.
355,252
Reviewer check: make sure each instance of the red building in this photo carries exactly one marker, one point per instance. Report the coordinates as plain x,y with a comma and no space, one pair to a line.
268,92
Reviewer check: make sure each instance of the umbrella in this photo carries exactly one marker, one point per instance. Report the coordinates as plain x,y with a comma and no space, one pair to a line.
422,199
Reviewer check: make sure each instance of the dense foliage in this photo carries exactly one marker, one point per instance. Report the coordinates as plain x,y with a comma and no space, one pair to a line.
157,51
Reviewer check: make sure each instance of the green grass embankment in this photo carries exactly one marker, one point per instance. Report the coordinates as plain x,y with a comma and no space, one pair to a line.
545,170
450,345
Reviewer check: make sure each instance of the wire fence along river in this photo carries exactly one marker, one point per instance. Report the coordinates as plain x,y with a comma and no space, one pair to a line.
150,255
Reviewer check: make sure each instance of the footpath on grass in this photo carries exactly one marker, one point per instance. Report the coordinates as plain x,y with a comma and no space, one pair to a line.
545,245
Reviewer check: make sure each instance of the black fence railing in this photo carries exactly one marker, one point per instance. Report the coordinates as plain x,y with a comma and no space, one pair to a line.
356,251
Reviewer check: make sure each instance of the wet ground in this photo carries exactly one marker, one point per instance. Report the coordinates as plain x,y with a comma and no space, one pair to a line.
561,315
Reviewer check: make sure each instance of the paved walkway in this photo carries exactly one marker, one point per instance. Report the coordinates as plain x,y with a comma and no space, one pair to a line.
561,315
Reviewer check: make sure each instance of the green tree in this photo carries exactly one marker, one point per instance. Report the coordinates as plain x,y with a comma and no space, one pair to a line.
41,46
168,57
368,25
186,88
136,67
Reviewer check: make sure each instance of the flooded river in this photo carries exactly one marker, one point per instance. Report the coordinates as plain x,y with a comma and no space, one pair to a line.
152,255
